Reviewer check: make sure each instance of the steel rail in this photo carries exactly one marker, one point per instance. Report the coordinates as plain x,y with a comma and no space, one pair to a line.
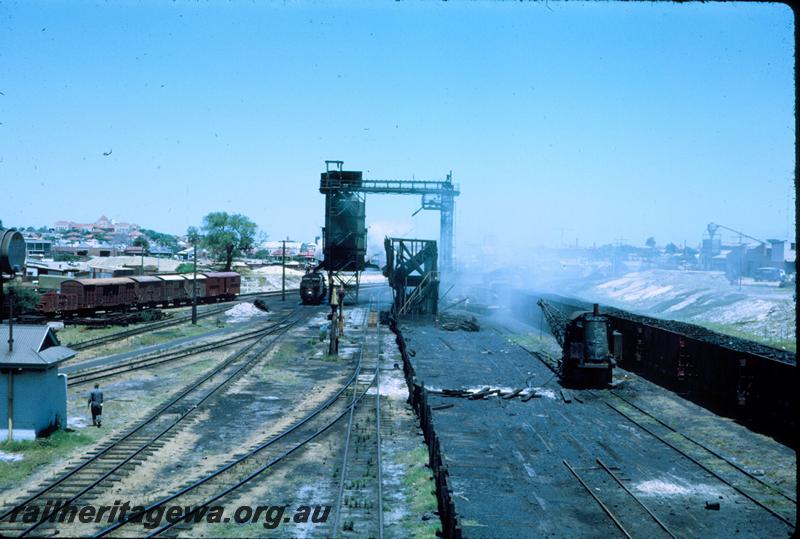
158,436
649,512
144,423
378,436
343,473
324,406
90,375
599,502
705,447
327,404
266,466
161,324
701,465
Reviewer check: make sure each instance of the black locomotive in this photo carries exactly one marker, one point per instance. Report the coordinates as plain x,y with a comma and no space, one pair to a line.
313,288
586,360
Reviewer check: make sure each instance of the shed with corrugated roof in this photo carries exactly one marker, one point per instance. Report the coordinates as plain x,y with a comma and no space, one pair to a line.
31,387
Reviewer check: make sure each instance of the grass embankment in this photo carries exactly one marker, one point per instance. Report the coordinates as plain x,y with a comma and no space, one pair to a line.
41,452
418,493
74,335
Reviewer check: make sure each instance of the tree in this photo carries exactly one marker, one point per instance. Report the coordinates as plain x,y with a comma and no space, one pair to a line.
167,240
671,248
142,242
25,299
228,235
65,257
192,235
651,242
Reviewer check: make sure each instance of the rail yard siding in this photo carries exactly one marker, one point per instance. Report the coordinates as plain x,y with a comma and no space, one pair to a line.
755,390
418,397
747,381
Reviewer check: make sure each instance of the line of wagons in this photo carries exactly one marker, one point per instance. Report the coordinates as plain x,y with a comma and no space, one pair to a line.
85,296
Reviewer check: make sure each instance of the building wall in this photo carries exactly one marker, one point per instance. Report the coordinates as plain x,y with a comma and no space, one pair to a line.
40,402
41,247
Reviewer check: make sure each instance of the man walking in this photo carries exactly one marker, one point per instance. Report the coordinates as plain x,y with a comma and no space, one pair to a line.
96,404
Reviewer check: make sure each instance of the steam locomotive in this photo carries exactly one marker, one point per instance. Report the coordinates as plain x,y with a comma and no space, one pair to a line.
313,288
586,360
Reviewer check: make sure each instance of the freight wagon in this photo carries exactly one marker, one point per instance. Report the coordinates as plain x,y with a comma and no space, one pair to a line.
86,296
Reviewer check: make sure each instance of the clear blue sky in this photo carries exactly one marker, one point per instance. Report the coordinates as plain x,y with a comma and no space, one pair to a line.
593,121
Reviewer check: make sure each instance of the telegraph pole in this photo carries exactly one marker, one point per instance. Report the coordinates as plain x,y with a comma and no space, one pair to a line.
194,286
10,403
10,320
283,279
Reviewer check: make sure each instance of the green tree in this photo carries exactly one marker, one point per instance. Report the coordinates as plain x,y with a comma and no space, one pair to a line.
671,248
184,267
142,242
65,257
651,242
25,299
193,235
228,235
167,240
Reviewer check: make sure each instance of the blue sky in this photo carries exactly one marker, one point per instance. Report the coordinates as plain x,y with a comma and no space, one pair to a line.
593,121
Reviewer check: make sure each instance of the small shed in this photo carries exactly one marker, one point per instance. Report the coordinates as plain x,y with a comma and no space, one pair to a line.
30,384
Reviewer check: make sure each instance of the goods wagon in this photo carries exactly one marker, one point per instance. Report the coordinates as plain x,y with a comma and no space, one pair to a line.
83,296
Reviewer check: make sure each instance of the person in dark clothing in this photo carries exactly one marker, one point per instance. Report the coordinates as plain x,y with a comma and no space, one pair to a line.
96,404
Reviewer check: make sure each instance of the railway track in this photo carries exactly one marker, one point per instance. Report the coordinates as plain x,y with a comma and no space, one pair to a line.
771,498
359,503
161,324
153,326
124,452
101,373
619,498
244,470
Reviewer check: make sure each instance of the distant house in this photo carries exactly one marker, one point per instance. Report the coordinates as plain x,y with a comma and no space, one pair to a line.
103,223
38,247
86,250
38,268
31,387
124,228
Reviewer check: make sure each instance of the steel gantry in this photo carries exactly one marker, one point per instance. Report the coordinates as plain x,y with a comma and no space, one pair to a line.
436,195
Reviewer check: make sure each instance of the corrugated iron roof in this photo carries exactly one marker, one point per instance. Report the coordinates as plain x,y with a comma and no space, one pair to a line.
108,280
189,276
221,274
35,347
145,278
170,277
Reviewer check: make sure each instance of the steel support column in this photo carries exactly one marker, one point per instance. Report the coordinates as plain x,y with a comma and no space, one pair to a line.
446,232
